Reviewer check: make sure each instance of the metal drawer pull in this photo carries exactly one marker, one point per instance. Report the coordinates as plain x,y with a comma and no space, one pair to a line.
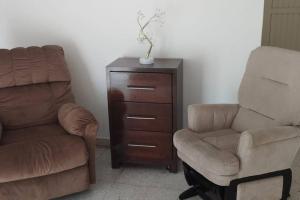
141,145
140,88
143,118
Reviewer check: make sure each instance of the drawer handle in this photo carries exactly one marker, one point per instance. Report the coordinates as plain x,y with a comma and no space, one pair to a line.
142,145
140,88
140,118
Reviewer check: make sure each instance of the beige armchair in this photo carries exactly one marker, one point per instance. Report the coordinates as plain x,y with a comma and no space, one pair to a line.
245,151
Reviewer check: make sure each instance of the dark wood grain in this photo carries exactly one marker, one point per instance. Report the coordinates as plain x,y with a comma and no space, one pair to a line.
142,145
163,102
161,65
141,87
142,116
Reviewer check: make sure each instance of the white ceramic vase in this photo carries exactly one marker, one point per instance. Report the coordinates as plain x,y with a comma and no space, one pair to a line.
146,61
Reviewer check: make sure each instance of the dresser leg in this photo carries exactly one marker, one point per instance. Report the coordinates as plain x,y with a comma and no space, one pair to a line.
115,164
173,167
115,161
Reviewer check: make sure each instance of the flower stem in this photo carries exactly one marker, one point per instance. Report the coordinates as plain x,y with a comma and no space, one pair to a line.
149,51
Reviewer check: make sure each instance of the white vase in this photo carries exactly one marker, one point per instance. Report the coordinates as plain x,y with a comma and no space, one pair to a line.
146,61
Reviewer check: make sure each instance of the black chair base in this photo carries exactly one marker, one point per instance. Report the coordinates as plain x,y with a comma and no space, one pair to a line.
209,191
200,186
194,191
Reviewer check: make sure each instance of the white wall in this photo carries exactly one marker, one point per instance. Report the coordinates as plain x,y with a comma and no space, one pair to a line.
213,36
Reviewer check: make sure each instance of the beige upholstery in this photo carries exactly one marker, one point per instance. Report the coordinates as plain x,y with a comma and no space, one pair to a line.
257,136
217,160
247,119
279,145
211,117
269,189
271,84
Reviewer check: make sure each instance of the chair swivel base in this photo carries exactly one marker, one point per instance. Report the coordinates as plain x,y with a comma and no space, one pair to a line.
197,191
200,186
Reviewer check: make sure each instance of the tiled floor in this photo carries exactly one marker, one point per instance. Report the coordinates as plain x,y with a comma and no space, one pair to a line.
141,183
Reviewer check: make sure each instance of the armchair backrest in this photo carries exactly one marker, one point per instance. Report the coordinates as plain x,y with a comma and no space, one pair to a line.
270,89
34,82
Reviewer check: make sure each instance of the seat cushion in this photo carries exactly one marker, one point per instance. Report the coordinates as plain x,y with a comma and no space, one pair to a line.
47,187
34,156
31,133
210,152
225,140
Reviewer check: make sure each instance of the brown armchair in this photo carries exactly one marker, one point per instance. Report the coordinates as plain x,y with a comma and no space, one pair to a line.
47,148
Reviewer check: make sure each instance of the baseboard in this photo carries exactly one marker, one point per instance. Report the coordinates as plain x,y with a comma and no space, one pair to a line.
102,142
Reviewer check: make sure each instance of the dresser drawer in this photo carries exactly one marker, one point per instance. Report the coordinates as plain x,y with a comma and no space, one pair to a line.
141,145
141,87
142,116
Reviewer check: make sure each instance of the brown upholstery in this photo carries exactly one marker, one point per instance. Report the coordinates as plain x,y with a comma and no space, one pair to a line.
43,85
258,136
33,65
32,105
40,157
75,119
47,187
30,133
40,154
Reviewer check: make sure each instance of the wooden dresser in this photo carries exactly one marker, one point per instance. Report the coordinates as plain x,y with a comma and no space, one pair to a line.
145,109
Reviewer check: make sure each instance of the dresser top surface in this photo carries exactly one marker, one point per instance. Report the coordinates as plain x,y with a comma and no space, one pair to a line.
132,64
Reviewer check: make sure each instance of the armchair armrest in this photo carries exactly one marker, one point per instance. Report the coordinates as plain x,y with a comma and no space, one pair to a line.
75,119
78,121
267,150
211,117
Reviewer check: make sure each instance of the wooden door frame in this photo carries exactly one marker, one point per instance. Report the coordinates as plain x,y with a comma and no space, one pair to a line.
266,22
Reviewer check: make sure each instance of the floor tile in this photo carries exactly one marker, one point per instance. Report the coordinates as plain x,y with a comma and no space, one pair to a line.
140,176
147,183
172,181
105,173
96,192
153,177
101,152
165,194
295,196
125,192
160,193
